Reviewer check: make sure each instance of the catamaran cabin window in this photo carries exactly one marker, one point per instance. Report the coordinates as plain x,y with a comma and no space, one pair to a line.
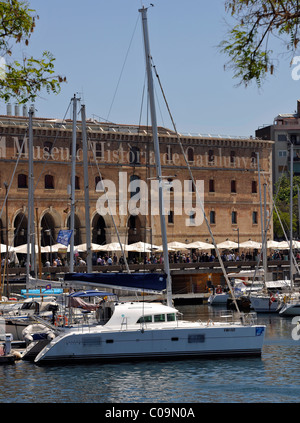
159,317
171,317
145,319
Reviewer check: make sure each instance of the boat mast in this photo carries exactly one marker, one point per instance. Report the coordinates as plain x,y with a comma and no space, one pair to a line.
86,190
73,169
30,263
157,153
291,212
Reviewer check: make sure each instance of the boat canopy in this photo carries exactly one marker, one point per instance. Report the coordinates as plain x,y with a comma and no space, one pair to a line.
142,282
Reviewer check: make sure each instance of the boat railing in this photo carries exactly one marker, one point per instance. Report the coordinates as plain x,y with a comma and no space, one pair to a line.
231,317
249,319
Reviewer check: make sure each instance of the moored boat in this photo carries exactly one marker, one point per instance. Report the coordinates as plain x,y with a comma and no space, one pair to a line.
152,330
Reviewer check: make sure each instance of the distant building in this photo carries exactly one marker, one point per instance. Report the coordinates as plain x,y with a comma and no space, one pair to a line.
285,129
227,166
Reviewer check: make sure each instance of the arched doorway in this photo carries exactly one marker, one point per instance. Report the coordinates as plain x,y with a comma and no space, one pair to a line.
98,231
77,230
20,229
47,230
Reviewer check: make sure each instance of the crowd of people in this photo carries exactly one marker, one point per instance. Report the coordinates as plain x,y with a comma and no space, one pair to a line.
157,258
196,257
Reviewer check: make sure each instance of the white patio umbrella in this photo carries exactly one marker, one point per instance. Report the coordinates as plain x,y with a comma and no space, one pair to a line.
177,245
3,248
57,247
200,245
161,249
141,247
22,249
250,244
113,246
83,247
284,245
228,244
272,244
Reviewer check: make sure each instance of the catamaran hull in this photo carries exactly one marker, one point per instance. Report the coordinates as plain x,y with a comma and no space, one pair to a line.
155,344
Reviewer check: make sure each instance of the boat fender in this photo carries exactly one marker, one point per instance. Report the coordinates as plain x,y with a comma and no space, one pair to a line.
50,336
28,338
210,322
17,355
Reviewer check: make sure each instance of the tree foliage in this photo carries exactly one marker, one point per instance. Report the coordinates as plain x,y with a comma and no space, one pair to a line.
247,43
282,201
23,80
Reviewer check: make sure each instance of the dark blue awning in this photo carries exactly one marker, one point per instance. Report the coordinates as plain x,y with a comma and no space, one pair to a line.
142,282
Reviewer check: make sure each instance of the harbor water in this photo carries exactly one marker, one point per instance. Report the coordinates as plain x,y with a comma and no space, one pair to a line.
272,378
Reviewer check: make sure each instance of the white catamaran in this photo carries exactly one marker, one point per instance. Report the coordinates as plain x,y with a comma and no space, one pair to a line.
141,330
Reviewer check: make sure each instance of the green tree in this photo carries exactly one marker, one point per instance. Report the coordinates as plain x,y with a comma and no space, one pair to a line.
282,201
258,24
23,80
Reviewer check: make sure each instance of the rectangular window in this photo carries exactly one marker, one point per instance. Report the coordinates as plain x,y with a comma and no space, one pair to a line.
234,217
171,217
254,187
282,137
22,181
254,218
99,150
232,158
169,154
233,186
171,317
211,156
49,182
145,319
192,218
159,318
212,217
211,185
77,184
253,158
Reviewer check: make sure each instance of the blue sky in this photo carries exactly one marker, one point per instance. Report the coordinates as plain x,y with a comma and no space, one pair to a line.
91,40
